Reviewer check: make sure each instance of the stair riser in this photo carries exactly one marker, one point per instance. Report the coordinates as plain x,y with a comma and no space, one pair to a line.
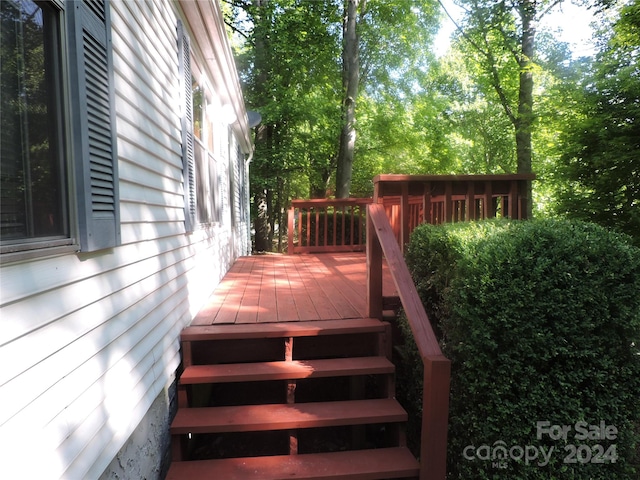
273,349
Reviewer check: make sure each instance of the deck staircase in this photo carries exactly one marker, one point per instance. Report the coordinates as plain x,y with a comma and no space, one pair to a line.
303,400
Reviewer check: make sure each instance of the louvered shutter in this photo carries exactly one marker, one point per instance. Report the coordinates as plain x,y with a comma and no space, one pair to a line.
93,120
188,160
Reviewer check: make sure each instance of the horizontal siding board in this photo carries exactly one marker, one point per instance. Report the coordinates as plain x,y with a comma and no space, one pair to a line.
53,383
155,338
84,335
105,422
144,49
55,336
132,232
101,459
63,351
158,48
52,305
125,369
20,282
161,179
151,152
146,116
136,193
144,212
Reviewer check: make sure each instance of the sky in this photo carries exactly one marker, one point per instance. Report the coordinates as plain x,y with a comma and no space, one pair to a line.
570,21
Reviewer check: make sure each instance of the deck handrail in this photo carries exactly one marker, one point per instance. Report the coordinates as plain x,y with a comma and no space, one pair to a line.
437,368
327,225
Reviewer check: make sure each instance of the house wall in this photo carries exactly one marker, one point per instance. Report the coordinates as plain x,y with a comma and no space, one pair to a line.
90,342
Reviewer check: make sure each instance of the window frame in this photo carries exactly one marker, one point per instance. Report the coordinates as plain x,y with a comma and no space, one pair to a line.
32,247
89,175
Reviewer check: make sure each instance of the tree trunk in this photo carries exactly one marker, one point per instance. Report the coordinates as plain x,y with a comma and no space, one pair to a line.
263,139
525,117
261,223
350,81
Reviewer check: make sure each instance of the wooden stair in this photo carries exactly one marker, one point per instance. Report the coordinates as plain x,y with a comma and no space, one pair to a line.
304,400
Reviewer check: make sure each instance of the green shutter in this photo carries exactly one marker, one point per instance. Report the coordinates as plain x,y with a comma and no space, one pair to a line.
93,120
188,160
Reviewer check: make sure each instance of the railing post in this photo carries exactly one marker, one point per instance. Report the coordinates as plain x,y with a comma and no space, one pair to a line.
404,216
374,271
448,207
470,213
426,204
513,200
290,229
435,418
488,211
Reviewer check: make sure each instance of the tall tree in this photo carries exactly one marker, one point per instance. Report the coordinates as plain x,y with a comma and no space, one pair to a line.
502,33
350,84
394,39
290,60
599,173
286,52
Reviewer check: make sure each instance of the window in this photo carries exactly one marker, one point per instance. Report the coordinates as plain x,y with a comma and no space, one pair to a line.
200,161
57,123
33,175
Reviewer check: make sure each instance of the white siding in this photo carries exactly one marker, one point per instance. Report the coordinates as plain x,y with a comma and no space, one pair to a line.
88,341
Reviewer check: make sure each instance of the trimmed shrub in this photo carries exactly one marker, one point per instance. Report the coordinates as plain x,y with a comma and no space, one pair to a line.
541,321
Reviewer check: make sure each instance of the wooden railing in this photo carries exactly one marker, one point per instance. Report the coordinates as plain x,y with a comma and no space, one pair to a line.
381,242
327,225
338,225
410,200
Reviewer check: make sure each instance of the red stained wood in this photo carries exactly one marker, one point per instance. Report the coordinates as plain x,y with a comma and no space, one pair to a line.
361,464
255,418
411,303
284,288
280,330
436,366
262,371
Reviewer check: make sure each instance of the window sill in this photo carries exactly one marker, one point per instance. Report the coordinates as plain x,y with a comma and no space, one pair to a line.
45,248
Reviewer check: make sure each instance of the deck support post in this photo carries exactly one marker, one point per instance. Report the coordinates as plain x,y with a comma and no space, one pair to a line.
374,272
291,395
435,418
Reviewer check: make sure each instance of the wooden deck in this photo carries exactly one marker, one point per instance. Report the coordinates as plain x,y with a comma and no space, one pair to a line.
285,288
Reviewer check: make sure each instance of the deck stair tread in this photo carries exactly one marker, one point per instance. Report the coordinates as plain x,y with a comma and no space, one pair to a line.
283,370
239,331
306,386
374,464
253,418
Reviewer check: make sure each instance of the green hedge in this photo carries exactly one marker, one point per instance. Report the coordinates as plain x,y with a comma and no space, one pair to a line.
541,321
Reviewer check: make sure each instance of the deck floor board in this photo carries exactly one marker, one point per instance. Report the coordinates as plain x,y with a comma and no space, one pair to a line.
283,288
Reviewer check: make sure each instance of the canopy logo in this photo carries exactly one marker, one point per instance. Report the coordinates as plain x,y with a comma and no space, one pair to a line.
570,436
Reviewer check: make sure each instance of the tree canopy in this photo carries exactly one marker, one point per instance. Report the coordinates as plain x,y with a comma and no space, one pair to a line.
598,175
507,97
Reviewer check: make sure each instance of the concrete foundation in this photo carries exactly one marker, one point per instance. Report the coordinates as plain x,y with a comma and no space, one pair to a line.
147,453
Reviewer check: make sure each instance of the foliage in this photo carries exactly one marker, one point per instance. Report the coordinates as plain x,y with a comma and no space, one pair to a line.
417,114
541,321
598,176
289,60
